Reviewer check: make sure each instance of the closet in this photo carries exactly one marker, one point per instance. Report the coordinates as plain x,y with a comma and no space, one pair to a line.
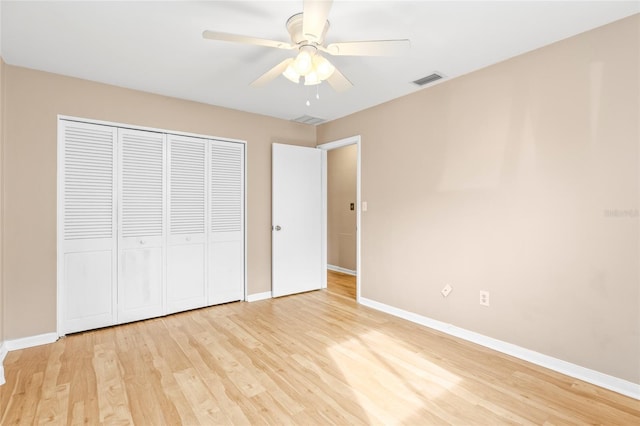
149,223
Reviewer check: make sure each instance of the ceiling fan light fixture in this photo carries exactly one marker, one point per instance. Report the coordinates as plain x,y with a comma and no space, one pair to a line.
323,67
291,74
303,64
312,78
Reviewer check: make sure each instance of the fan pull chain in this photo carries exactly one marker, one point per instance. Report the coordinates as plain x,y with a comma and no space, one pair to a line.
308,103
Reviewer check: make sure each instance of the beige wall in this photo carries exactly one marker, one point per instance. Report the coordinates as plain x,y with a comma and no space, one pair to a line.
33,100
520,179
341,192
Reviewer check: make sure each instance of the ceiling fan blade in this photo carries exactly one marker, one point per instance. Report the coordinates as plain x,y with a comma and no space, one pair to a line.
369,48
339,82
236,38
271,74
314,19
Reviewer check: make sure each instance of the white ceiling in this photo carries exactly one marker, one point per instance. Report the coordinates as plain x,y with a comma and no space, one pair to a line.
157,46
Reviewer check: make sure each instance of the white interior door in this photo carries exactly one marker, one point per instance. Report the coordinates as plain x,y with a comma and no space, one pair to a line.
297,261
141,224
186,251
226,207
87,228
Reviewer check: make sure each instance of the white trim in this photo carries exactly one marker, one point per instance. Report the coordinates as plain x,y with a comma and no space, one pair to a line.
341,269
324,220
31,341
60,307
144,128
245,259
339,143
3,353
23,343
606,381
259,296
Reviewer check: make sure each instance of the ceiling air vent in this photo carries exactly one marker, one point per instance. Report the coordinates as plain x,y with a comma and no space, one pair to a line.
428,79
307,119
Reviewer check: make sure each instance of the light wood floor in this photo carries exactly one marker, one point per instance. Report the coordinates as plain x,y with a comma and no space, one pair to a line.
341,284
315,358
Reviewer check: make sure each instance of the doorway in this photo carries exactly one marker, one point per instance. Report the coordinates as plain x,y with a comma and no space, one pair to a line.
341,188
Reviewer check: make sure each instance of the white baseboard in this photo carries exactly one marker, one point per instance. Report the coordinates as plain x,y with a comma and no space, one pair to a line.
31,341
3,353
606,381
341,269
259,296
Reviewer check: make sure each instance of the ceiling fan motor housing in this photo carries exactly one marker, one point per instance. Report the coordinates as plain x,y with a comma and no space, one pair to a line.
294,26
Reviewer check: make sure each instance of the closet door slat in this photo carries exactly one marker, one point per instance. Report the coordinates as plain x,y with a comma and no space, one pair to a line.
88,202
226,193
187,211
142,175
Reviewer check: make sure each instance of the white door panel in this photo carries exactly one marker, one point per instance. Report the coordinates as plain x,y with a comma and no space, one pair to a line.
186,239
297,219
226,266
139,284
186,287
88,278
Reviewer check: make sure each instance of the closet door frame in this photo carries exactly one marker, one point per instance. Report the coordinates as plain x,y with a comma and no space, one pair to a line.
60,200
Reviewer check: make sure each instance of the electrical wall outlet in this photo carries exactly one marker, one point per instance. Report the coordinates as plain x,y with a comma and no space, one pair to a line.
484,298
446,290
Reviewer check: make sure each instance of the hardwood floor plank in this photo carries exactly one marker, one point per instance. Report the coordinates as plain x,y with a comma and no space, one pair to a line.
199,397
315,359
111,389
172,399
52,405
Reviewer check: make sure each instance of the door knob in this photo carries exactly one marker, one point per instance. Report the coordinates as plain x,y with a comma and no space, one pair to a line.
277,228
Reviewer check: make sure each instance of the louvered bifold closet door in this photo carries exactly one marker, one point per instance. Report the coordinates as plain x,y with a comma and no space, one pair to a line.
186,243
141,228
87,232
226,237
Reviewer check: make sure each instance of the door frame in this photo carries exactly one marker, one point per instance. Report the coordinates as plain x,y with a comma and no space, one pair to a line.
325,147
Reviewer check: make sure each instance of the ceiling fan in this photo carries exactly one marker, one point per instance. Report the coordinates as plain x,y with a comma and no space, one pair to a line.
307,31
